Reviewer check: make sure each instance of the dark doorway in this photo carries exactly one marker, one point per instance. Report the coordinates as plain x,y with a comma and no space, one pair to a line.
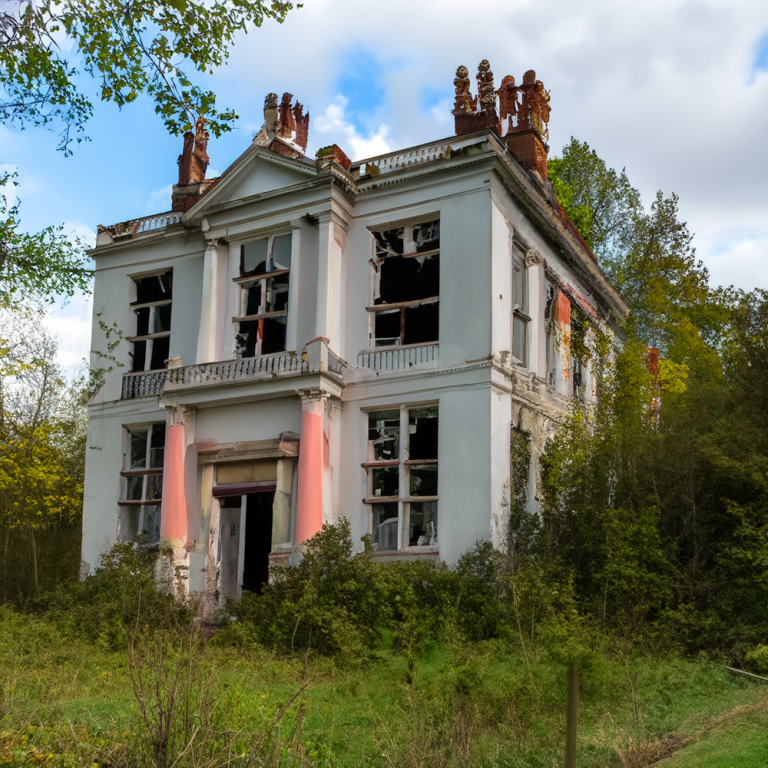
258,540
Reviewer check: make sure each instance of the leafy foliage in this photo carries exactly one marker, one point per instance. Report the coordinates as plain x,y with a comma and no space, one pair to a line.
41,265
42,446
130,48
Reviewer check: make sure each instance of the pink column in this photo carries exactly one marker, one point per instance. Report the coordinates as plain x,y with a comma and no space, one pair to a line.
173,518
309,499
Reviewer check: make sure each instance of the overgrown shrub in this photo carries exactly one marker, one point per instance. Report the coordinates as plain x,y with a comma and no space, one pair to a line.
348,605
122,593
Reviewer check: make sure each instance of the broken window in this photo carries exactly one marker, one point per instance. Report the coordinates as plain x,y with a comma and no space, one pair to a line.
402,490
406,285
550,328
151,343
520,316
265,267
143,482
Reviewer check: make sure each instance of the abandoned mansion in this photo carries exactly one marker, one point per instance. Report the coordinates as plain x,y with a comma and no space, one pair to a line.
303,339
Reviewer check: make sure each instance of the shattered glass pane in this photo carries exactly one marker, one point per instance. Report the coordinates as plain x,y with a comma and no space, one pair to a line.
385,481
160,353
422,324
253,257
142,321
245,339
157,445
384,526
139,447
422,442
277,294
384,435
408,279
135,487
154,487
424,480
152,523
520,292
154,287
426,237
387,328
281,253
162,320
251,298
273,334
422,524
138,356
389,243
519,332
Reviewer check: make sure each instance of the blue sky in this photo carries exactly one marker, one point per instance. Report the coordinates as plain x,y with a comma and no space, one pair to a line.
676,91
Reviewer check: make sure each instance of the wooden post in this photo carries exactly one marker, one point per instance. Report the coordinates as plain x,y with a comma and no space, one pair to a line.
572,716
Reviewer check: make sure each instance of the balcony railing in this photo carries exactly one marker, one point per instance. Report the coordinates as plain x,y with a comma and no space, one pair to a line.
421,357
136,385
155,383
231,370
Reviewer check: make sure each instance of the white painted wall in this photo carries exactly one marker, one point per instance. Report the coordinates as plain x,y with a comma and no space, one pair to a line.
103,464
330,289
249,421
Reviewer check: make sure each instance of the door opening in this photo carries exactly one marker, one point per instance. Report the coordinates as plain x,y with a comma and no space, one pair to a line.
258,540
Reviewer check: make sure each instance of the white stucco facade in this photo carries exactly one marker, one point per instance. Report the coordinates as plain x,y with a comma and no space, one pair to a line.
288,437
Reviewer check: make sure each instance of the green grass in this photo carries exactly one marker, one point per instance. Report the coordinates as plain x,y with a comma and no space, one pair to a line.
740,742
63,702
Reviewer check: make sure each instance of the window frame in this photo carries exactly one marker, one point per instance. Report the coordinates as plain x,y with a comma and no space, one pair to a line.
150,338
145,473
520,312
374,309
405,465
244,280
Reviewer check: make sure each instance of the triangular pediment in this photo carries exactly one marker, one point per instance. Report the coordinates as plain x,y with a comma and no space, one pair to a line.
257,171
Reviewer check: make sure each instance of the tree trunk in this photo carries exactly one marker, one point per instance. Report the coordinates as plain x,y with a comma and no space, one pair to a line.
34,558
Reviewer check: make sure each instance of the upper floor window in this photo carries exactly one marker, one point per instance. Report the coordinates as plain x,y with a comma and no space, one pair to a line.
151,343
520,316
402,477
265,268
143,481
406,285
550,330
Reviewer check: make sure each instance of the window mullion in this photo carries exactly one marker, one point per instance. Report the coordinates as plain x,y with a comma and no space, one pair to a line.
404,479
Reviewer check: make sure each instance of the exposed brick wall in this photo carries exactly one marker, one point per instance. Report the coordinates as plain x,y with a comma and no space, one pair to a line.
529,150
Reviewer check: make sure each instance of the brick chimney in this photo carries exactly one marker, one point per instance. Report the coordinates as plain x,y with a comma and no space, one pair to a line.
523,116
526,139
193,164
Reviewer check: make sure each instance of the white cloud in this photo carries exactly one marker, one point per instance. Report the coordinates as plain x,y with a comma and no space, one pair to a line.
334,122
742,263
639,81
159,200
71,324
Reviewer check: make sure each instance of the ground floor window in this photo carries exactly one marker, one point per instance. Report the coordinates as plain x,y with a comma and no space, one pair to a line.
142,492
401,469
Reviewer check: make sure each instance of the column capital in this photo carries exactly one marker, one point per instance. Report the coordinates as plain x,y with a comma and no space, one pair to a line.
312,395
534,259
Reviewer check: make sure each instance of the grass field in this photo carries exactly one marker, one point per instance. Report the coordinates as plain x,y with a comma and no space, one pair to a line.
67,703
739,740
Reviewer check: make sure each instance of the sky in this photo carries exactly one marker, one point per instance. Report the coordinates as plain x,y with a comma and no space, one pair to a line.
674,91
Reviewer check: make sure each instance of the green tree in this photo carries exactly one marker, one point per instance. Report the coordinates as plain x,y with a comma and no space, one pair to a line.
42,445
655,500
131,47
41,265
600,202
